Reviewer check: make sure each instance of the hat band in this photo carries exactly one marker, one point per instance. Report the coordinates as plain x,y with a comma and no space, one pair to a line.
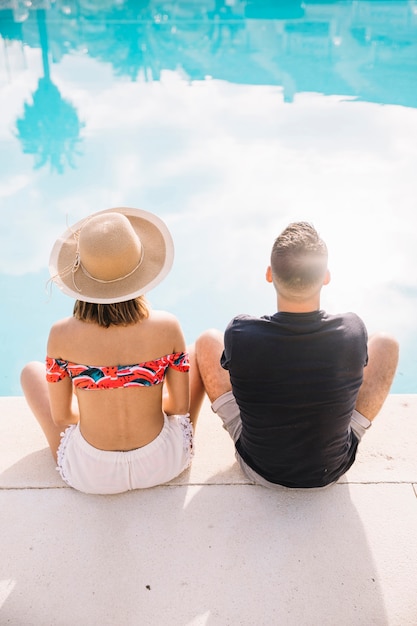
112,280
76,265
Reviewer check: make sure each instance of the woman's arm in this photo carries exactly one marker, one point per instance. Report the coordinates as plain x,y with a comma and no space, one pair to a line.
63,402
176,397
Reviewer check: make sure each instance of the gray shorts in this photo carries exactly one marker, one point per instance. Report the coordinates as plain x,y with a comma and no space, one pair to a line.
227,409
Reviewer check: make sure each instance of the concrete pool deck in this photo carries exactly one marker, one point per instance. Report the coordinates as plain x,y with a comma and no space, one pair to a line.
210,548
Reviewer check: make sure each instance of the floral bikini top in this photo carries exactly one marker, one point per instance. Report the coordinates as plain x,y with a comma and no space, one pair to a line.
95,377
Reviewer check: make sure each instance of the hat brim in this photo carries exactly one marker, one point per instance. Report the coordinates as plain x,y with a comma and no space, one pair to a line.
158,256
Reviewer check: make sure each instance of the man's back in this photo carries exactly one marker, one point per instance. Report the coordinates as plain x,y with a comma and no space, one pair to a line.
295,377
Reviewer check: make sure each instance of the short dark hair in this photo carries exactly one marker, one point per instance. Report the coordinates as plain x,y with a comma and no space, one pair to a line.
298,259
117,314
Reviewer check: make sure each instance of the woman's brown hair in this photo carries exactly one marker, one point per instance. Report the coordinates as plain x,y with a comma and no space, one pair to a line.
117,314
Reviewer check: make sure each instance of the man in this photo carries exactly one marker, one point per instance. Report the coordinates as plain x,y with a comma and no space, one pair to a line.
292,388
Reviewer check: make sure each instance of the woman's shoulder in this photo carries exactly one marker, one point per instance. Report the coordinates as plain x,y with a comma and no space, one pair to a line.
163,317
167,328
61,325
61,331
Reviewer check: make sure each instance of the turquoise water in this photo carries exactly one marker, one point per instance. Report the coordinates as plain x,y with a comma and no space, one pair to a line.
229,120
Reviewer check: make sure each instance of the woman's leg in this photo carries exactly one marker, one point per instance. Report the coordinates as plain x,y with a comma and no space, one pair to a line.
35,388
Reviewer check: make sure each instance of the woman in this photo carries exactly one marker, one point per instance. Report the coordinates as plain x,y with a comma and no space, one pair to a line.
117,372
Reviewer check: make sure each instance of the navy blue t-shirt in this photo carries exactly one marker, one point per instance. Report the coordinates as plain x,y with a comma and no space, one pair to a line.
295,377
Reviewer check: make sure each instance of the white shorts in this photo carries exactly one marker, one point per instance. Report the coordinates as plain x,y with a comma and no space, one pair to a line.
91,470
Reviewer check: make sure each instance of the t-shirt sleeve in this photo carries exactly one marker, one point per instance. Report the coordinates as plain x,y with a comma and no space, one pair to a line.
227,352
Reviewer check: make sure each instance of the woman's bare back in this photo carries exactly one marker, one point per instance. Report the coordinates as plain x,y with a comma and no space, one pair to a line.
124,418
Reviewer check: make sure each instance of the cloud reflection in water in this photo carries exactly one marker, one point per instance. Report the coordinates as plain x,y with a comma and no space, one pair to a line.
227,166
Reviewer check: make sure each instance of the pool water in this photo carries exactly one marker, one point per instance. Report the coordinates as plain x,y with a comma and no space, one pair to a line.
228,119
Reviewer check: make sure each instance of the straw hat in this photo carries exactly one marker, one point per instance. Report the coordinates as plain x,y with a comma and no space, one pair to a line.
112,256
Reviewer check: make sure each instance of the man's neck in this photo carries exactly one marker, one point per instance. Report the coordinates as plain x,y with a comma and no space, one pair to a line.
305,306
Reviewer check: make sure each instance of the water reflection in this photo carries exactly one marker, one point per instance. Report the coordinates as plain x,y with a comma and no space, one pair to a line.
228,120
362,49
49,128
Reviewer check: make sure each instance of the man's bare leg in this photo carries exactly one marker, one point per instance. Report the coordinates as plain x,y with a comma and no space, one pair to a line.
209,348
383,352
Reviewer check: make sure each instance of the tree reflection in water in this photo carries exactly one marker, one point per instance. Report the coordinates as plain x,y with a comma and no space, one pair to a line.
49,127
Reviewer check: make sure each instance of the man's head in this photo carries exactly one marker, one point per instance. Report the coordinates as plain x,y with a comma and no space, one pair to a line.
298,262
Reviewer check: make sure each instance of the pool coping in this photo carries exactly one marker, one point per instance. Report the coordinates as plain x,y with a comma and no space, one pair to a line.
209,547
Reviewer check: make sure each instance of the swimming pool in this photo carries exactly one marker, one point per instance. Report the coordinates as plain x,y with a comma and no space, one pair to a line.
229,119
